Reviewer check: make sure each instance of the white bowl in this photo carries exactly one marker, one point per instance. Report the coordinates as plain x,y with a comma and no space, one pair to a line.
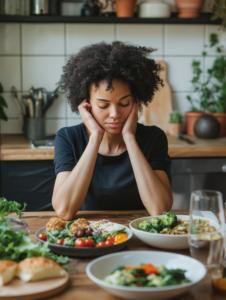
101,267
164,241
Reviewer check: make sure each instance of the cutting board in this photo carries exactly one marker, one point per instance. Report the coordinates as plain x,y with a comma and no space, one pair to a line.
42,289
157,112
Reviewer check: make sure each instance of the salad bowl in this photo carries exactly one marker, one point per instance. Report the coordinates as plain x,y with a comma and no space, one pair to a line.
101,267
164,241
83,251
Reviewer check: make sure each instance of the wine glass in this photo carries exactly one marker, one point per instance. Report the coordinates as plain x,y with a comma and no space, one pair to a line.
206,227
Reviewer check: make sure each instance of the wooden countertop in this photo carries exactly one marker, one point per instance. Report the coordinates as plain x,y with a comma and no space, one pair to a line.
16,147
80,286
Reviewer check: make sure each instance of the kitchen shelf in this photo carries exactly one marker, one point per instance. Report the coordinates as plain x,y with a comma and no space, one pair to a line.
205,18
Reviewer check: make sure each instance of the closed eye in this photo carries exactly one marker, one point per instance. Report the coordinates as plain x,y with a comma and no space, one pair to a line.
103,107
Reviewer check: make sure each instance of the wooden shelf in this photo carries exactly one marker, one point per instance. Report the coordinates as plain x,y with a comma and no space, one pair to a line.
204,19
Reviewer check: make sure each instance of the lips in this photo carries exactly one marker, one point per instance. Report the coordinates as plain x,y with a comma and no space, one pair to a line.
115,124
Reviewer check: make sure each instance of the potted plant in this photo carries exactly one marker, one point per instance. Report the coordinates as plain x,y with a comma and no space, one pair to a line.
189,8
125,8
3,104
219,12
175,125
211,91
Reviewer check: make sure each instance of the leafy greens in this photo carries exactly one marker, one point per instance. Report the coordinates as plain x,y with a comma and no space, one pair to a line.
9,207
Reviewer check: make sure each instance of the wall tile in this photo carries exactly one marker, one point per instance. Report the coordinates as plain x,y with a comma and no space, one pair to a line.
80,35
14,108
73,122
10,72
179,72
180,102
43,39
179,43
10,38
142,35
52,126
12,126
221,35
58,108
42,72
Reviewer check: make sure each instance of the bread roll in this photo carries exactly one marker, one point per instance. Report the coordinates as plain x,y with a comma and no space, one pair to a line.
8,270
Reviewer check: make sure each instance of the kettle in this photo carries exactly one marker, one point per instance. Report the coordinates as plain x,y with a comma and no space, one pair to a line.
39,7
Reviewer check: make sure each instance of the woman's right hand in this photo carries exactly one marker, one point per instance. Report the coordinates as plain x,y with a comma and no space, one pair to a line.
88,119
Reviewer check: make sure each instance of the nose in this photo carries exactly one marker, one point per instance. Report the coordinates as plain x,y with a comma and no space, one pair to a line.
114,112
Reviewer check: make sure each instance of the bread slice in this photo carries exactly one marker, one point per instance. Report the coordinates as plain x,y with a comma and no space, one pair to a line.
8,270
37,268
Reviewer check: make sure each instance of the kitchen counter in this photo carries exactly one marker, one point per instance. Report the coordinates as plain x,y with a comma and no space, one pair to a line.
80,286
16,147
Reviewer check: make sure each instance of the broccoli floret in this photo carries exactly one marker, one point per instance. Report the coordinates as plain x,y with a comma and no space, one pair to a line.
169,220
153,230
155,280
156,224
169,280
177,274
68,242
145,226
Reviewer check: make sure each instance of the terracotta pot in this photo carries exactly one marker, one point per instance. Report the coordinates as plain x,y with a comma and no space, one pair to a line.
174,129
125,8
189,8
191,117
221,118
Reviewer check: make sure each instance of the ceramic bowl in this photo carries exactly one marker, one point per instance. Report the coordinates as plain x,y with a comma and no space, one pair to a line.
101,267
163,241
85,252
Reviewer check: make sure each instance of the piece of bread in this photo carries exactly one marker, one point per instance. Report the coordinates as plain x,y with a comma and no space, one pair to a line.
8,270
55,224
37,268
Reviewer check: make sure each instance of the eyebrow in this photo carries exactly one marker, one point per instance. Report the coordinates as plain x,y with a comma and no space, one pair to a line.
110,101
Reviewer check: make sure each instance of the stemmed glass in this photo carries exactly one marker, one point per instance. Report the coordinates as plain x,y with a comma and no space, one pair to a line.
206,242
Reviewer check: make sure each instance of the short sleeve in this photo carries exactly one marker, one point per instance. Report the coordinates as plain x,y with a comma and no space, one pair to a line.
158,157
64,159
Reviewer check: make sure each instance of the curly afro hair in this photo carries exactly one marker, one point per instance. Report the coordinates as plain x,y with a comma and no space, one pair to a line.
104,61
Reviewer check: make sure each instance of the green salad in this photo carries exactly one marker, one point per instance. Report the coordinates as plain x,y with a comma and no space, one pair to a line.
146,275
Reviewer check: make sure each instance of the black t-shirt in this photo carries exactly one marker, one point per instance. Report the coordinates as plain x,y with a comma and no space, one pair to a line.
113,185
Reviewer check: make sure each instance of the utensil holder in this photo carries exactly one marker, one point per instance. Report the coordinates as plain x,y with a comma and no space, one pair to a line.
34,128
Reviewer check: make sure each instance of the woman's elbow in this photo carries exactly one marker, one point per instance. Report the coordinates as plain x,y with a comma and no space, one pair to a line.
63,212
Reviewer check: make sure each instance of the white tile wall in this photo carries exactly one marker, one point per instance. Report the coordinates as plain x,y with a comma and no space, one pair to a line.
34,54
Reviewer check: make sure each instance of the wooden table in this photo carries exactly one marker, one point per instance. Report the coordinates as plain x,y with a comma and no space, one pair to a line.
81,287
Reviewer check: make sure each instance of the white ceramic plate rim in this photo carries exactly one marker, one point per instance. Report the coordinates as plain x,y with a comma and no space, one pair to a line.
128,231
141,289
160,234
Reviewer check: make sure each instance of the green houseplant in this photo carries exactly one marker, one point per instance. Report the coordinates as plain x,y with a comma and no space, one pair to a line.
219,12
175,125
211,91
3,104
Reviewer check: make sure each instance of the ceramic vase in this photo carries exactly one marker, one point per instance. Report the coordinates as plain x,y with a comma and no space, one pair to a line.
125,8
189,8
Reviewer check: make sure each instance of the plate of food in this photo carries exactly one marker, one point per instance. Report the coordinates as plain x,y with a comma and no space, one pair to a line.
84,238
145,274
168,231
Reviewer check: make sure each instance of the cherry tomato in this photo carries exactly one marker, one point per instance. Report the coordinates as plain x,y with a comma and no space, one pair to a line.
60,242
80,243
43,237
110,238
89,242
101,244
109,243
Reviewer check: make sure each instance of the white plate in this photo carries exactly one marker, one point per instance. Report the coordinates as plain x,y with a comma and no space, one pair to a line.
101,267
85,252
164,241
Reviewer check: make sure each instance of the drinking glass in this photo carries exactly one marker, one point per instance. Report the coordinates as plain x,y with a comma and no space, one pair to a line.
206,241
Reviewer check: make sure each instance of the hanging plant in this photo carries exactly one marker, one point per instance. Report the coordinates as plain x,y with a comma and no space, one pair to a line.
219,12
3,104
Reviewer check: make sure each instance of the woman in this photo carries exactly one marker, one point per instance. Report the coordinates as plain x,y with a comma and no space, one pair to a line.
110,162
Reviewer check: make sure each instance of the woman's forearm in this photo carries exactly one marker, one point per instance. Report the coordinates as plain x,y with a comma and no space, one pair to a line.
72,192
155,196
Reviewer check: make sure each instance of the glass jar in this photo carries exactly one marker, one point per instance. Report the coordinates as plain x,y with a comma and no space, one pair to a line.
17,225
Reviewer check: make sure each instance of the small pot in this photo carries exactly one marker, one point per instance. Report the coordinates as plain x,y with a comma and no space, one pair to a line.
189,8
191,118
125,8
221,118
207,127
174,129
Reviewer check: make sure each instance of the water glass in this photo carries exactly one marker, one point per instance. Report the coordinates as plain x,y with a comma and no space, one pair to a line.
206,242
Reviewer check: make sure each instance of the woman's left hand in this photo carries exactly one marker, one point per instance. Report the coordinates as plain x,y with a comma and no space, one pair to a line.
130,126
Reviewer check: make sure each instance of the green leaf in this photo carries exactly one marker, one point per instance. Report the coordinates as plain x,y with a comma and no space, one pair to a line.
2,102
1,88
3,116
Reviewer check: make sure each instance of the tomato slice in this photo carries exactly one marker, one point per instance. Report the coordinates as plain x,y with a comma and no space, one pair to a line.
60,242
101,244
89,242
111,239
43,237
80,243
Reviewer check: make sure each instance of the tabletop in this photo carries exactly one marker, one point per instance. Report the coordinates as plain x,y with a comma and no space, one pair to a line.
80,286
